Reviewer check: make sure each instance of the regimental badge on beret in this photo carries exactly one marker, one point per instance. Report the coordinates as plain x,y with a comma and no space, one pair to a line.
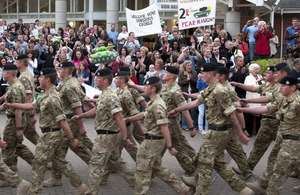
66,64
201,69
271,68
48,71
152,80
103,72
289,80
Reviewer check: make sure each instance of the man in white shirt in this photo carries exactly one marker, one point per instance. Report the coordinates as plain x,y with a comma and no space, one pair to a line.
122,37
132,43
2,27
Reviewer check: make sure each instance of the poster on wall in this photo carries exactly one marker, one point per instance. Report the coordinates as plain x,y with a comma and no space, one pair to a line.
144,22
195,13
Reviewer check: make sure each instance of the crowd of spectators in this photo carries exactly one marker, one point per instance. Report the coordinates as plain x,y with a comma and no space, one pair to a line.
212,45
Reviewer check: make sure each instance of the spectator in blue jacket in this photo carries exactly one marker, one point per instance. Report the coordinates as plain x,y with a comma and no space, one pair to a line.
251,30
201,85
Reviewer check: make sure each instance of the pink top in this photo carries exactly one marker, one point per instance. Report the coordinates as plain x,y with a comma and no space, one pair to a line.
76,64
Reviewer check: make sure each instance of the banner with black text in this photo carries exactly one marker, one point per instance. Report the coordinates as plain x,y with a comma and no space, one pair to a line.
195,13
144,22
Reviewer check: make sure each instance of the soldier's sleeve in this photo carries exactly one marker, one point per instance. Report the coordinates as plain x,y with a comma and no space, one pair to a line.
260,88
74,96
130,105
178,99
16,96
114,104
273,106
275,94
136,96
160,114
36,105
224,101
27,85
56,107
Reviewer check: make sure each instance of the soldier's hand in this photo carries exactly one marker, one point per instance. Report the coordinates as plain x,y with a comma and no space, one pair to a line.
244,139
32,120
185,94
233,83
172,114
173,151
3,144
128,143
244,102
82,131
246,133
19,134
75,143
193,132
6,105
75,118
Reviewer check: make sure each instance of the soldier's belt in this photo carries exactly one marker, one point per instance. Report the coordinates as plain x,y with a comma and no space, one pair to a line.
219,128
13,116
151,137
128,124
48,129
106,132
290,137
269,117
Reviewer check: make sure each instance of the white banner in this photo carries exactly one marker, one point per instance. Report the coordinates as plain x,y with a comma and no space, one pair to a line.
192,14
144,22
165,5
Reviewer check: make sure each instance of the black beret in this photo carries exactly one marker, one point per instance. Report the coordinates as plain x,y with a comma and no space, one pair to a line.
280,66
172,69
21,57
10,67
223,70
271,68
122,73
66,65
208,67
220,64
124,69
48,71
289,80
103,72
152,80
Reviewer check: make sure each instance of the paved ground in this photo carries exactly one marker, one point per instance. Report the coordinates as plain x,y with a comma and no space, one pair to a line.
118,186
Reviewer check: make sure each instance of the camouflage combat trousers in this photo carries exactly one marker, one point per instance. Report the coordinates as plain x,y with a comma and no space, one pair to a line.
236,151
105,151
133,149
14,147
8,175
266,134
185,152
148,163
265,177
286,160
83,150
211,156
139,138
48,148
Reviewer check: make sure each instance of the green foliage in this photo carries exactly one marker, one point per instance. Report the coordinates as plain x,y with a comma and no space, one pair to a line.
265,63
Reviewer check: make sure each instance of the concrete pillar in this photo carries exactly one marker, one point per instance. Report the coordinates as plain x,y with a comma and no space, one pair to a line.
232,22
91,18
112,14
60,13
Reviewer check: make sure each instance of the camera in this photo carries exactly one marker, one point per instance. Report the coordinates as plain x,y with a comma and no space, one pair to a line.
240,42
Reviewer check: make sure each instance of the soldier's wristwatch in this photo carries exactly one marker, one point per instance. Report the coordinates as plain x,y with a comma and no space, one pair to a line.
71,140
170,148
125,138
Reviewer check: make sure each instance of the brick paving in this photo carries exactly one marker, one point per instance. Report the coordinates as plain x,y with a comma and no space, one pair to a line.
118,186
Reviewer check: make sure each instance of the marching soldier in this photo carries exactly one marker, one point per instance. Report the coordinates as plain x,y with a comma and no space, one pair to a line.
157,136
52,120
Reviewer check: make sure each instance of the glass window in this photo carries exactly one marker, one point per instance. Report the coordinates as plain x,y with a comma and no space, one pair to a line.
23,6
44,6
142,4
52,5
100,5
68,5
12,8
79,5
3,7
131,4
33,6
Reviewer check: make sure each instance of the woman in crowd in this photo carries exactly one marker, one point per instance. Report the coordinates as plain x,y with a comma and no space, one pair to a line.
155,56
79,57
274,43
187,80
223,37
159,68
175,48
83,73
194,42
3,84
60,32
262,49
255,79
243,45
142,64
32,62
49,57
103,35
122,57
88,44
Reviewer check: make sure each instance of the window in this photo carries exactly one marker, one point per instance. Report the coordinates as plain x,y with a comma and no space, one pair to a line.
23,6
44,6
33,6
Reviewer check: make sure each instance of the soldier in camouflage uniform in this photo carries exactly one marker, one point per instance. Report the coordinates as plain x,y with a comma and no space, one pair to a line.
281,70
172,96
52,120
71,96
108,124
128,107
13,130
287,110
269,124
9,176
157,136
221,118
